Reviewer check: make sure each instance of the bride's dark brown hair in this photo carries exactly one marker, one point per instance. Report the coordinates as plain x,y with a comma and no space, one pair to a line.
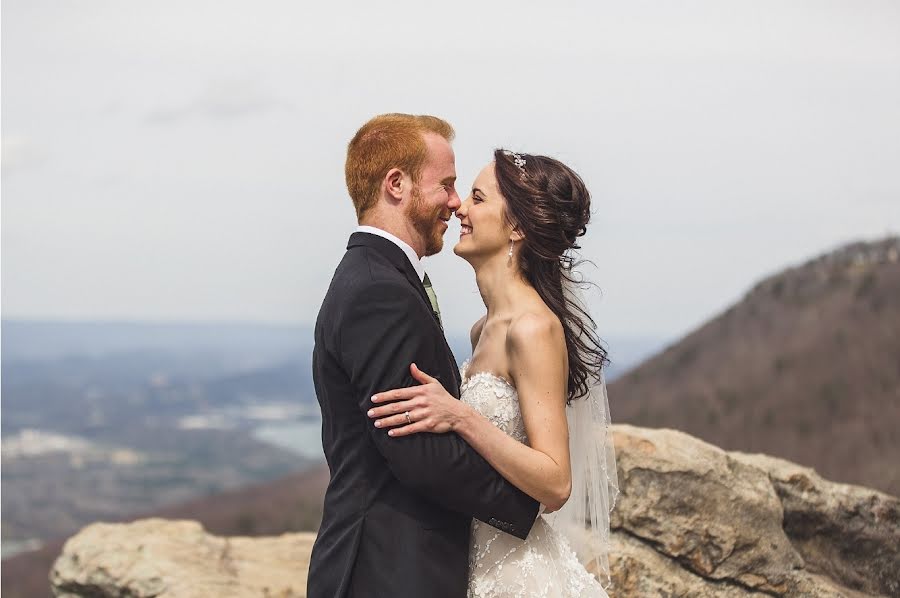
549,204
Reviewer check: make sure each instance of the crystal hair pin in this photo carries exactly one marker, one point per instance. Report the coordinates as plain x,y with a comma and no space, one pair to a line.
519,161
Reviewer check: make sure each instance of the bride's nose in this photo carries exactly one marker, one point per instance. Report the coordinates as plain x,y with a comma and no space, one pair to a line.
462,209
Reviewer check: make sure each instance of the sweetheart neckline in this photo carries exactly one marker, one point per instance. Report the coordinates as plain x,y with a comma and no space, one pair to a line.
468,378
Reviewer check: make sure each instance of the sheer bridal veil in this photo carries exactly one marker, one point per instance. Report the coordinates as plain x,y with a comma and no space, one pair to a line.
584,519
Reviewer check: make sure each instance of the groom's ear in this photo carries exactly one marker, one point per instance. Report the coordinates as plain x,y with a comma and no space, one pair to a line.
394,183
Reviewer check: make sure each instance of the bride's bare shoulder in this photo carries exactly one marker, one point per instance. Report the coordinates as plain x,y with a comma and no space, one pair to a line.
536,350
535,328
475,333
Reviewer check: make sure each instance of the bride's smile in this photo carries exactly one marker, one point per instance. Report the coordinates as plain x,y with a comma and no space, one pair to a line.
485,230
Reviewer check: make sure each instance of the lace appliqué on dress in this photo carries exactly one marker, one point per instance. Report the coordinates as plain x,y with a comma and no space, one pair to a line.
501,565
494,398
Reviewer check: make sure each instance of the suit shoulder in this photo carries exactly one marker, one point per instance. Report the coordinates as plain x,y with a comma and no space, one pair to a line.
364,274
366,265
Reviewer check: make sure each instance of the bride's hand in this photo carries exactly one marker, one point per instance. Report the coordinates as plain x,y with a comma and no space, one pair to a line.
431,408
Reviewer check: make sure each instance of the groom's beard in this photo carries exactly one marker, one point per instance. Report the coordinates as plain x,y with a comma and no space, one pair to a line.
427,222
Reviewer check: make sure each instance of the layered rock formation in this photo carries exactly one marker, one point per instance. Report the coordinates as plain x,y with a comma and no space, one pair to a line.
692,520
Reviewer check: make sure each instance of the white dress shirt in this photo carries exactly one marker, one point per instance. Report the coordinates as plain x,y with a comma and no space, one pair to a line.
409,251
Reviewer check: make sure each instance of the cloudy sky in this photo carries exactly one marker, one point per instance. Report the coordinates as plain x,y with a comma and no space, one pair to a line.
184,160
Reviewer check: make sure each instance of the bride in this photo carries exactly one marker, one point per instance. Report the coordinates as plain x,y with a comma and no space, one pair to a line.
532,402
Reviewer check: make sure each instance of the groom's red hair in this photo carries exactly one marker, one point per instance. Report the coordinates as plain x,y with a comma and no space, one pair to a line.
385,142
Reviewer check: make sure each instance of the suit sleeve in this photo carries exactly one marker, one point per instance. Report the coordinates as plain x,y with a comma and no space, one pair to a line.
380,335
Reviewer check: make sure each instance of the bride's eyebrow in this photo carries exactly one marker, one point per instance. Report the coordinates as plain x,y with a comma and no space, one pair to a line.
477,190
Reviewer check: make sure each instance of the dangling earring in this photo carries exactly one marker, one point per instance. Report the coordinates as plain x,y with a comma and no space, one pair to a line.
510,248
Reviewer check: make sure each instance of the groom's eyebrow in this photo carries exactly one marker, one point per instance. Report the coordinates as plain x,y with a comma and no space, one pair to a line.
448,180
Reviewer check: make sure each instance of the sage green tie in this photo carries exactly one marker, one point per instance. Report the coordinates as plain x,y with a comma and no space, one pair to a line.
432,298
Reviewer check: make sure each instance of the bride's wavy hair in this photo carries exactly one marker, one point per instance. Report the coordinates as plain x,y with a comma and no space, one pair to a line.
549,204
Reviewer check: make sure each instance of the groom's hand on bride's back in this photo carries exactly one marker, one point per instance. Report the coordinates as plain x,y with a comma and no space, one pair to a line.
427,407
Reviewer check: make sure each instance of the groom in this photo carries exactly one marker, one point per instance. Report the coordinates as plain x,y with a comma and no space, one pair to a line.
397,510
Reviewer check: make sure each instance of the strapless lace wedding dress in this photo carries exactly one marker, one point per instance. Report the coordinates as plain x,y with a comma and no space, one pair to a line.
501,565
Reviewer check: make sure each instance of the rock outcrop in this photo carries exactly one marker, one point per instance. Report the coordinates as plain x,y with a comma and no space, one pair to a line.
177,558
692,520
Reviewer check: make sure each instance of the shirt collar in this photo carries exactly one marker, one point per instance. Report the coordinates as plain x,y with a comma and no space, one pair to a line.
409,251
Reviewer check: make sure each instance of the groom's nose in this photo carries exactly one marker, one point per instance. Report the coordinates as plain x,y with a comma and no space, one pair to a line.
453,202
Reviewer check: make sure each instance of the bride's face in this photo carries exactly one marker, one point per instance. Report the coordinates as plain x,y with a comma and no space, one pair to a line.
485,230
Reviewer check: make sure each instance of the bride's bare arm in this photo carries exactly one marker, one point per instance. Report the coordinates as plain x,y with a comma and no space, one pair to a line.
537,358
537,361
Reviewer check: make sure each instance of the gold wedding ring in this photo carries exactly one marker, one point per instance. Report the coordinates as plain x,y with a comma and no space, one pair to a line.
408,421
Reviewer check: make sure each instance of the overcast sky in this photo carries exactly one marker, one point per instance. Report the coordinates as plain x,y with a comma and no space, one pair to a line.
184,160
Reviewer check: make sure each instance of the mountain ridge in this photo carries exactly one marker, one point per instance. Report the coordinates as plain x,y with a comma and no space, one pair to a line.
803,367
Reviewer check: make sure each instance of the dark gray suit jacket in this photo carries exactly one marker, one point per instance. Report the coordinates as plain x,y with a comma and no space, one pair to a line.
397,511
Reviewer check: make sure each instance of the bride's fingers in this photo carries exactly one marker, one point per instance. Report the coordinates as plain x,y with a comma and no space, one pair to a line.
392,421
399,420
413,428
391,408
398,394
420,376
